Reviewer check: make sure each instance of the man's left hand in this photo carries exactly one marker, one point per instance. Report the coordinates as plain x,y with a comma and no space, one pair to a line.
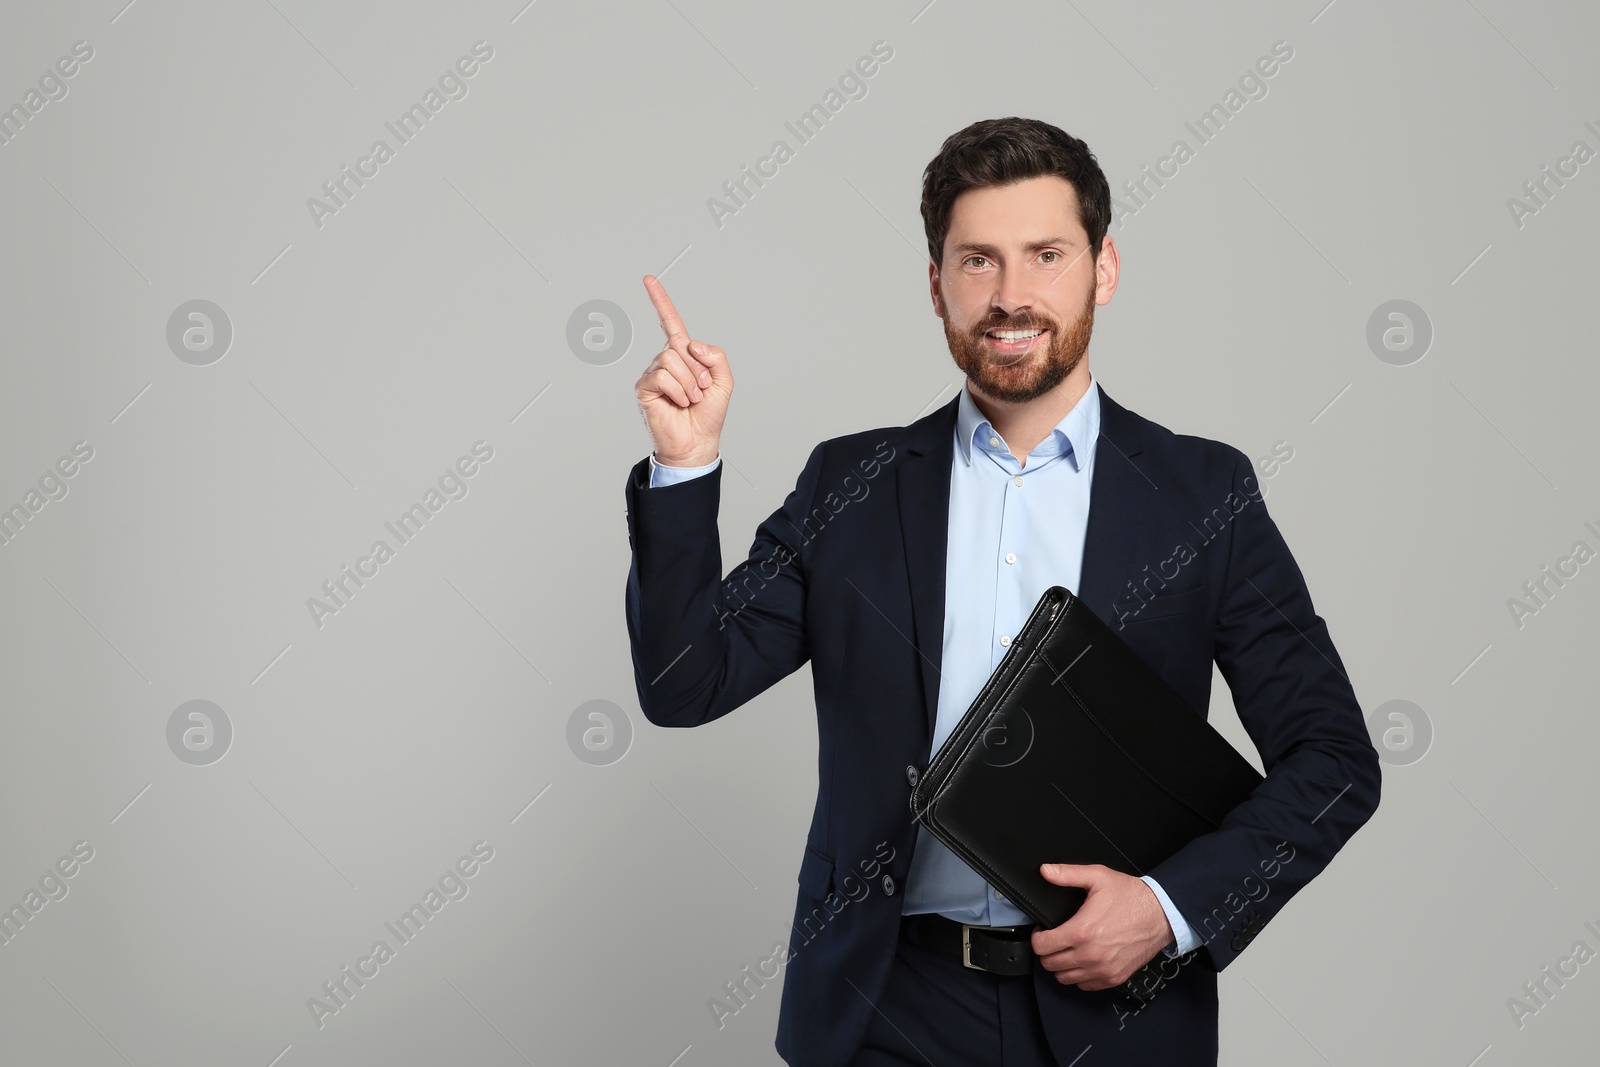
1118,929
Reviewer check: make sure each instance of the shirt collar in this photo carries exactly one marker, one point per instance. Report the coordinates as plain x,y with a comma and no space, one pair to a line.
1075,433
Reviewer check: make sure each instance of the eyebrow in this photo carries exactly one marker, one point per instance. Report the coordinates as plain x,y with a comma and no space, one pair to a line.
991,250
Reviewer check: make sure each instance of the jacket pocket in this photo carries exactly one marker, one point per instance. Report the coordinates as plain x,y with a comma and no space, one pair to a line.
1167,603
816,874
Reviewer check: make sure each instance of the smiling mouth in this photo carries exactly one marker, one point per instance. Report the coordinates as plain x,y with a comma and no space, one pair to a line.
1012,342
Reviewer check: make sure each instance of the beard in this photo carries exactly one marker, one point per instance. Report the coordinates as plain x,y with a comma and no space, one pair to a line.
1022,377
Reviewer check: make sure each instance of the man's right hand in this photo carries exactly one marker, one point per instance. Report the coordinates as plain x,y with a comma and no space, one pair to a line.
684,392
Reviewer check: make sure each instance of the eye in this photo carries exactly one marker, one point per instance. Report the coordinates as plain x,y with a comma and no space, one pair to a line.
969,259
1051,252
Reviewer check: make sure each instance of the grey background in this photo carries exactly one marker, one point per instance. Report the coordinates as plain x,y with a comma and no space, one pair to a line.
431,312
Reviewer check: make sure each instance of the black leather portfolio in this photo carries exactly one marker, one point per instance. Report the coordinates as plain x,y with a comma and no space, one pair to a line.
1075,751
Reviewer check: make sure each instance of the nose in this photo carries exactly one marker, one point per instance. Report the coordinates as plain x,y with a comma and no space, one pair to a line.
1011,295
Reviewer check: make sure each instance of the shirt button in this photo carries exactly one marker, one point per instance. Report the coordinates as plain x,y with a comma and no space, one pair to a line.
999,895
911,777
888,886
1005,640
995,441
1017,480
1011,557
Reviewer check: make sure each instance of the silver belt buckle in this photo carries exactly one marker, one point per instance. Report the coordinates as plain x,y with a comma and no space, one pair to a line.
966,949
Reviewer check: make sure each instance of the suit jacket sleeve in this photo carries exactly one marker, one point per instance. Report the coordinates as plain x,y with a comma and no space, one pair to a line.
702,644
1295,701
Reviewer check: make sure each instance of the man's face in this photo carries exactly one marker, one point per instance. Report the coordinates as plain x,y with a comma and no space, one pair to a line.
1018,287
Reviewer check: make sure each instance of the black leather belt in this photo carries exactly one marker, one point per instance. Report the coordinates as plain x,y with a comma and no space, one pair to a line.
1004,950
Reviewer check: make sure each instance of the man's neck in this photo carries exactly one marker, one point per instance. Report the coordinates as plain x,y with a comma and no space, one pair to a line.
1025,424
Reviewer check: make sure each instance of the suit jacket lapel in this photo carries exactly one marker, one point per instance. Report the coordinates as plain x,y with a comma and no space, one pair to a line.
923,484
1118,502
1117,498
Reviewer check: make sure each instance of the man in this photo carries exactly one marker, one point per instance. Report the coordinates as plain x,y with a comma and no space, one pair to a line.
900,566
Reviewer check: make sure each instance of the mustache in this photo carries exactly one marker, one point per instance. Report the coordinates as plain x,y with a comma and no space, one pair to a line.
1025,321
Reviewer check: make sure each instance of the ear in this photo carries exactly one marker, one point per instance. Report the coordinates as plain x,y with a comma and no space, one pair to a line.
1108,269
933,288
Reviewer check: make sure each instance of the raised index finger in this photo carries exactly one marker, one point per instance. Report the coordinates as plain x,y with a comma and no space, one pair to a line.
670,323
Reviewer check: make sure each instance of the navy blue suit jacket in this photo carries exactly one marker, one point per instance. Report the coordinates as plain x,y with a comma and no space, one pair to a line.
1180,556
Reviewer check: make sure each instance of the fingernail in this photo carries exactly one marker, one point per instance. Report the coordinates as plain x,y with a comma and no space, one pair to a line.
705,378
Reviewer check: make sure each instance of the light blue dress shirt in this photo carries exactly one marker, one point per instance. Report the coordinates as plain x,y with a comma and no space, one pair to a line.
1014,532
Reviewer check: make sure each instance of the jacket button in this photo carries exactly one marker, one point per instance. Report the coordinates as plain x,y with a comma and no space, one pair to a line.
911,777
888,885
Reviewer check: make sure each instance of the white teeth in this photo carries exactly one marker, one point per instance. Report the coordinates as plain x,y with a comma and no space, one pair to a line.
1014,335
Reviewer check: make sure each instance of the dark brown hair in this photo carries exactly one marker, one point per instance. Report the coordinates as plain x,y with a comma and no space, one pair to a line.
1004,151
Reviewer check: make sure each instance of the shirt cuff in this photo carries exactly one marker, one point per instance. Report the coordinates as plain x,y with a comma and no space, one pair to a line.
661,474
1187,939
